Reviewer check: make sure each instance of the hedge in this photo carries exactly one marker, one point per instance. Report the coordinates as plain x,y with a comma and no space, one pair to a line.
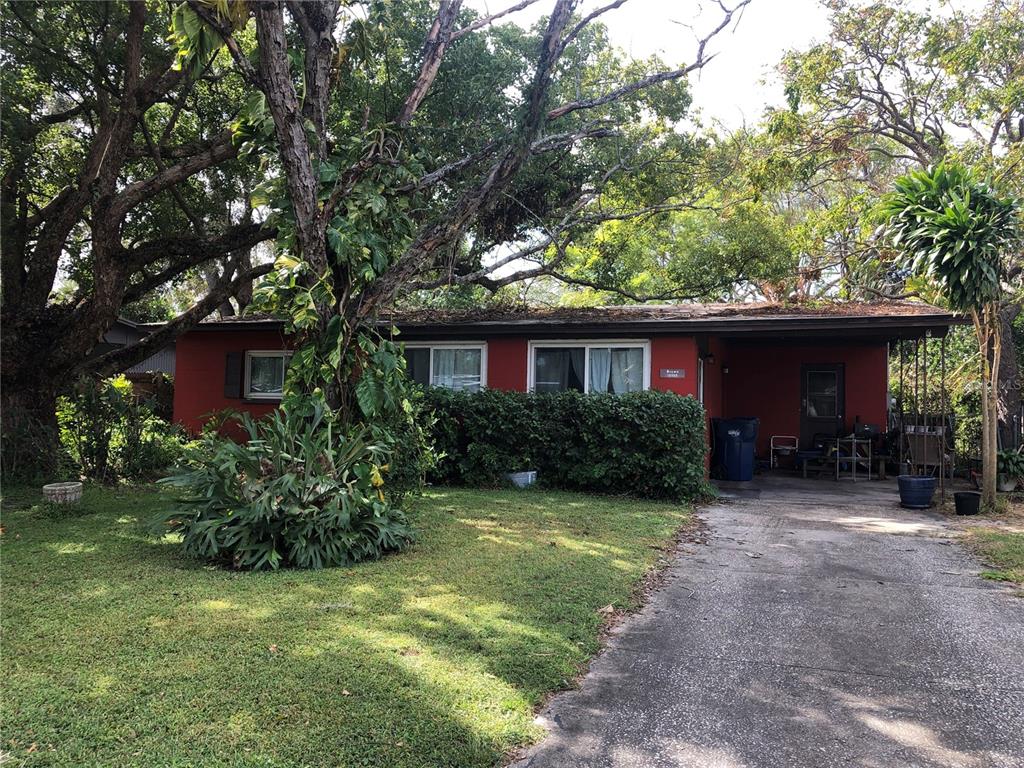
648,444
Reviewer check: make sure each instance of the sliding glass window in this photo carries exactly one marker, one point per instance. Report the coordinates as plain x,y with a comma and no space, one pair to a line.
457,367
589,367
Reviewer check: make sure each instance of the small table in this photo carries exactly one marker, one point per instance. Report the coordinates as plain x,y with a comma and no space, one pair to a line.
858,452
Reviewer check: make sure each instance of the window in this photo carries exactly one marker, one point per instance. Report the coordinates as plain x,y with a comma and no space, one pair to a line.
599,366
822,394
453,366
264,374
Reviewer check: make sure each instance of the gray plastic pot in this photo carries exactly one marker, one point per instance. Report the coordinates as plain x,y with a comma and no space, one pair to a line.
522,479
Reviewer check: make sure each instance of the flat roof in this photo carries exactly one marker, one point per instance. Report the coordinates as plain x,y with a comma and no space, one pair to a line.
753,319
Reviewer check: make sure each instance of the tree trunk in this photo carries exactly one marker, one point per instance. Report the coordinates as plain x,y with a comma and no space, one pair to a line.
31,440
986,328
1009,380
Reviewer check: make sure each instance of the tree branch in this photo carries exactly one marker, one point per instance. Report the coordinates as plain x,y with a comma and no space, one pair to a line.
699,62
483,21
220,150
187,252
433,52
118,360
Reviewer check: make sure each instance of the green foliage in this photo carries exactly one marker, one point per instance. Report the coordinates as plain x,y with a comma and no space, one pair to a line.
697,253
299,493
109,434
647,444
197,41
954,229
963,386
21,459
1010,463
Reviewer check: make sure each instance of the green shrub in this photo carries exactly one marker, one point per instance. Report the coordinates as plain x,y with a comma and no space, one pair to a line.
110,434
1011,464
649,444
300,493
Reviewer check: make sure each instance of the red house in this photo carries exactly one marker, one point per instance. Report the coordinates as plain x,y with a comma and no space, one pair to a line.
803,370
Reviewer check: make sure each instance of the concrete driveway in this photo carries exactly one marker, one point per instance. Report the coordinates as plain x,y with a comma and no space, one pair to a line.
820,625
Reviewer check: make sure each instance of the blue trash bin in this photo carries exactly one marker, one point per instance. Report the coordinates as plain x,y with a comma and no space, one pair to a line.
734,447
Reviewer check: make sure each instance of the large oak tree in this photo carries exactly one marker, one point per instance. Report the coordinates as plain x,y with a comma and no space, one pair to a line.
119,177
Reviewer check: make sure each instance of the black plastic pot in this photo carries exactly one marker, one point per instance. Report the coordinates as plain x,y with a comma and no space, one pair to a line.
916,492
967,502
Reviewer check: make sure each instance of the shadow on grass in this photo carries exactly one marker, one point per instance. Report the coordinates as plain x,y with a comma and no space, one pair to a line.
130,654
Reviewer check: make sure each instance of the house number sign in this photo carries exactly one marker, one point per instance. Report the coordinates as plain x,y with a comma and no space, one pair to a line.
673,373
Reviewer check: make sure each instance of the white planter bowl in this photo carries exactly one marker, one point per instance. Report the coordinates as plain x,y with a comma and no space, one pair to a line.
63,493
522,479
1006,484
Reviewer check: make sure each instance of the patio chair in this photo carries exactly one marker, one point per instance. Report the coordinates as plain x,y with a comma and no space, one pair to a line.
782,445
925,452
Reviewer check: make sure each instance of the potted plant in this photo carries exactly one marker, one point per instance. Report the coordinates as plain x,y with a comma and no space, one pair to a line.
522,477
1010,469
916,491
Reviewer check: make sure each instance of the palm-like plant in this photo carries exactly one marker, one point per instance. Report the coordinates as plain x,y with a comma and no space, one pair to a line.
955,229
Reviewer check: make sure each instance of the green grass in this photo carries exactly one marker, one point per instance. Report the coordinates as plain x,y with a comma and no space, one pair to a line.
117,650
1004,550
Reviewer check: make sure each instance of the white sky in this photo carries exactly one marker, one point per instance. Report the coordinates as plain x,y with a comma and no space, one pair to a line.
737,86
740,82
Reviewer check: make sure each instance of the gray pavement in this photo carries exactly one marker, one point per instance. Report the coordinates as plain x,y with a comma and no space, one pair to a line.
819,625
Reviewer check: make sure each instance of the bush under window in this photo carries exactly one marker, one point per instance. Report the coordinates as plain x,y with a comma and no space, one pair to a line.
649,444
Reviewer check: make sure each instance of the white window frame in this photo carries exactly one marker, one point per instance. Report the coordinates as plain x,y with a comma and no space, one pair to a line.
432,345
587,344
251,353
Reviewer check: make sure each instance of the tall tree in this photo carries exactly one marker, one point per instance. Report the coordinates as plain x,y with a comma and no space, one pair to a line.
958,231
379,197
892,90
118,177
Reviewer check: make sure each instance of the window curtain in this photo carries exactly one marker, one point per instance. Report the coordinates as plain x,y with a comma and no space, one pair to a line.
457,368
467,369
578,361
559,369
266,374
600,369
627,370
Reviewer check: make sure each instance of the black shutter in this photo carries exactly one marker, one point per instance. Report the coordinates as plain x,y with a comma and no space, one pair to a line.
233,374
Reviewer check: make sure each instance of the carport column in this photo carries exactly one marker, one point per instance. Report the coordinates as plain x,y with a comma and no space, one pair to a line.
945,418
902,421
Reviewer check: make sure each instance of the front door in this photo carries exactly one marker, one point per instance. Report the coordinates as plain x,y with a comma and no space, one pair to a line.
822,397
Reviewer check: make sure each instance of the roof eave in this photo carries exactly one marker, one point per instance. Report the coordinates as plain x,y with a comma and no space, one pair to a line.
938,324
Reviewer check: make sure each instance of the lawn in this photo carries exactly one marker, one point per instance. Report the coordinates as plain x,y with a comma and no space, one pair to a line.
117,650
1003,551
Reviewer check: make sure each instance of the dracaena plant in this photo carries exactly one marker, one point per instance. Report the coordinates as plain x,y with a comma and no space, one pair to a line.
956,229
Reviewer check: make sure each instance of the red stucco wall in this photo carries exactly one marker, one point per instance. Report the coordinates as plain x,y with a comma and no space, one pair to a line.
677,353
199,375
506,364
713,377
763,380
763,377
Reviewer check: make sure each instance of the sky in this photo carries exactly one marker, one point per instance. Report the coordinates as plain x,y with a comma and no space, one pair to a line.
735,88
740,82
